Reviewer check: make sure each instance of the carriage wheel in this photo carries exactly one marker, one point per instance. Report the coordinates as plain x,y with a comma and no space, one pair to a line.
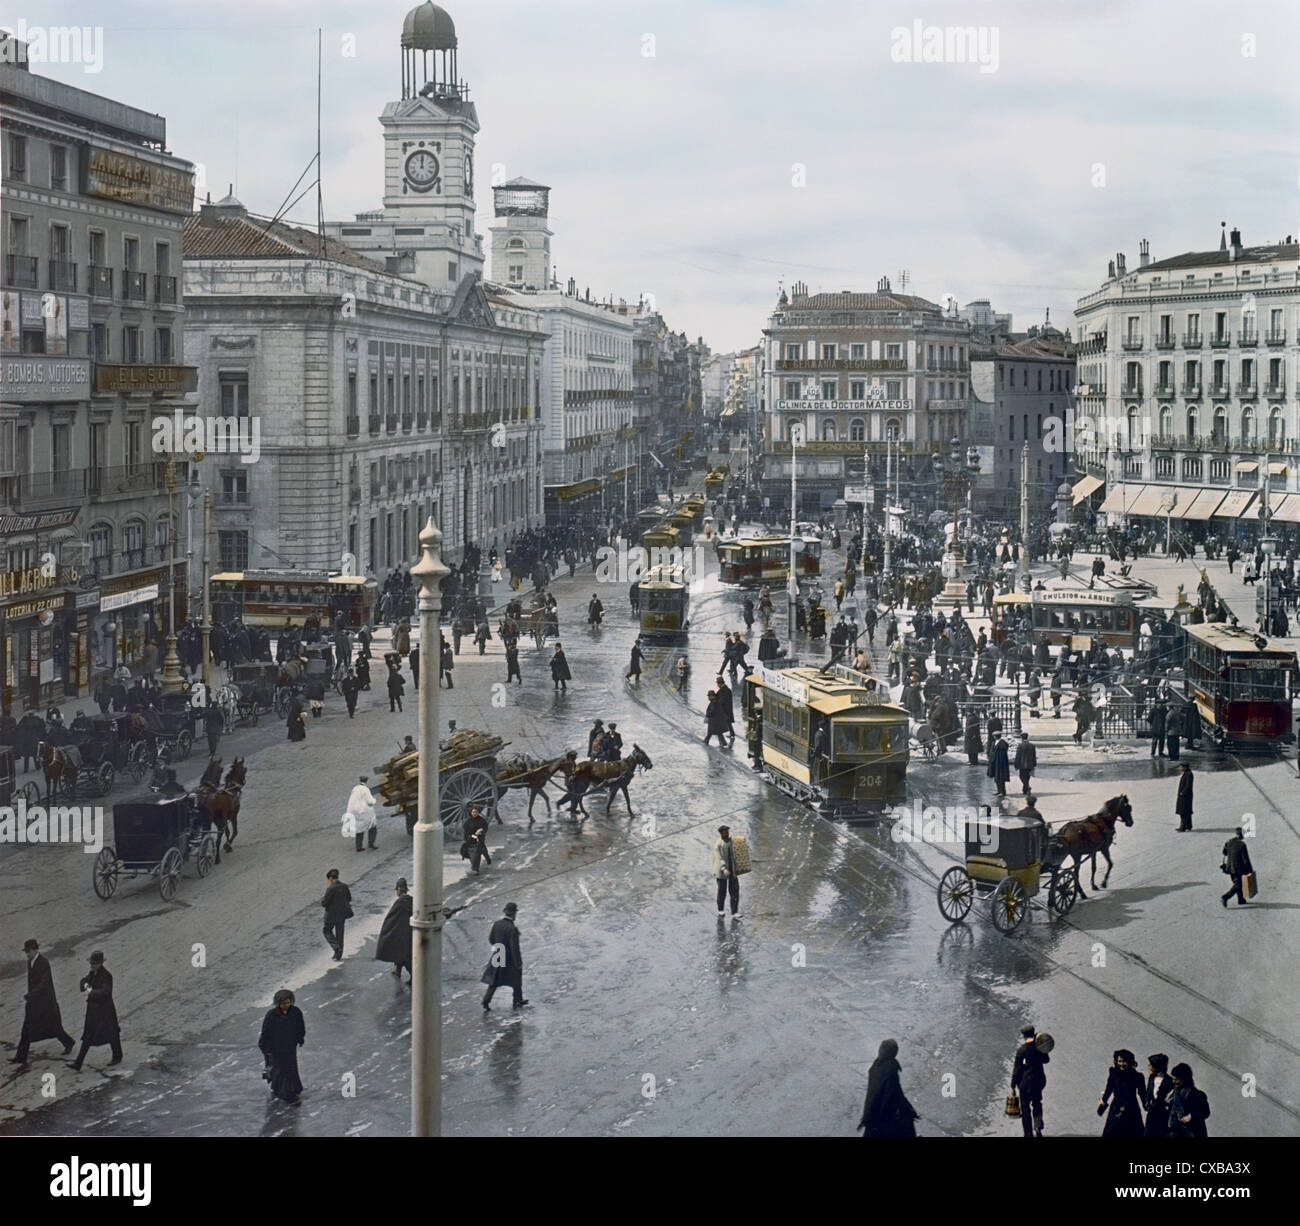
184,743
104,777
30,793
169,874
105,873
207,855
465,787
956,894
1064,890
137,764
1010,905
282,700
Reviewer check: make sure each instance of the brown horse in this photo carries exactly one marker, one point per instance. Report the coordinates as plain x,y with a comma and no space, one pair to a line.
534,776
1084,839
221,804
610,777
54,765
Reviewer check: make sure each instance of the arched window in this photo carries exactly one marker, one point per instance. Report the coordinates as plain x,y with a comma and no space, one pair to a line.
893,429
1248,423
101,549
133,544
1276,433
1220,425
793,425
1166,422
857,430
828,430
515,243
1193,423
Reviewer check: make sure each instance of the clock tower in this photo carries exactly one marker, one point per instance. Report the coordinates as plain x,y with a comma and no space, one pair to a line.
428,163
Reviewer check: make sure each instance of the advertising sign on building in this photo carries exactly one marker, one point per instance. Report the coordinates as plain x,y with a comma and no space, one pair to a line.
169,380
118,176
36,377
124,600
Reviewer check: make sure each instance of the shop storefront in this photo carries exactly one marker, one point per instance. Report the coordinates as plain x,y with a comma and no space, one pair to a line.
129,623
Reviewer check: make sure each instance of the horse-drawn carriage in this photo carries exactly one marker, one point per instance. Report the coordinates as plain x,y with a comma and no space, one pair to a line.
1018,855
250,693
172,732
10,791
154,839
88,762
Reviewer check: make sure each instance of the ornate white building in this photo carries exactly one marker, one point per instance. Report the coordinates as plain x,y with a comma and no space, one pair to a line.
1187,371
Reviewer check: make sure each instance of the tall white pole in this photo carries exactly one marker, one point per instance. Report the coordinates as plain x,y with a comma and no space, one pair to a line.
792,589
427,918
206,632
889,471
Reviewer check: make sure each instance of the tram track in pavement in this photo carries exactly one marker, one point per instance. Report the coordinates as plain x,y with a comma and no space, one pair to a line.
916,868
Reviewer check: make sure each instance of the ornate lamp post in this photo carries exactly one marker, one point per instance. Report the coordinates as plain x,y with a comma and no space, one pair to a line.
428,915
172,681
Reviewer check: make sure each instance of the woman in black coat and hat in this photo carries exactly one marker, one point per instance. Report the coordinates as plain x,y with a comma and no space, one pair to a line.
394,944
560,674
1160,1089
296,723
972,741
283,1032
886,1111
1125,1089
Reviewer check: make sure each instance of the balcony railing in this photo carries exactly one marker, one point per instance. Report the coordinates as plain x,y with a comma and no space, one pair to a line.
390,423
1275,338
1247,388
374,423
28,491
63,276
126,479
1191,340
422,421
1247,340
101,281
945,364
164,289
1275,389
353,426
1192,389
20,271
408,423
1132,342
1164,391
1219,391
1132,391
1094,346
354,495
1220,341
1164,342
134,285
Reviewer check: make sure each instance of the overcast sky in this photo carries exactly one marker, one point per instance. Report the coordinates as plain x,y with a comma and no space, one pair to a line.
673,173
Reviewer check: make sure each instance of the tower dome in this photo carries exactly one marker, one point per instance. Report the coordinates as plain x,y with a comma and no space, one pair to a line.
428,28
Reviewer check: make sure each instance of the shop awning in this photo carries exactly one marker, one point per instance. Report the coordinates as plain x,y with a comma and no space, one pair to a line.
1287,511
1122,497
1085,489
1233,504
1204,505
1247,466
1277,470
565,492
1153,500
1251,508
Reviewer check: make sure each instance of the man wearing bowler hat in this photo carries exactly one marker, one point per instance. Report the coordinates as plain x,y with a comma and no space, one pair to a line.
101,1015
41,1018
506,965
724,869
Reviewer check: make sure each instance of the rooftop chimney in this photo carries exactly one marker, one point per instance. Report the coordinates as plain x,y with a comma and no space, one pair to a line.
1110,270
1144,253
882,286
1120,262
1235,239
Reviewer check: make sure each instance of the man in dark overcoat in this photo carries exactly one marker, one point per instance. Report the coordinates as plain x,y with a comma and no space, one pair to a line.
1236,863
1029,1080
886,1111
101,1014
337,901
999,768
1183,804
41,1018
474,838
505,967
394,944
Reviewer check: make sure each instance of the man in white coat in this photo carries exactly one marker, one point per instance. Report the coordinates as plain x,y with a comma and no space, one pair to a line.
360,820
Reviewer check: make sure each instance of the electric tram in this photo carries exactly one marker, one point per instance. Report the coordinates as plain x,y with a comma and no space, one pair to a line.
1057,616
829,737
664,601
766,559
1241,684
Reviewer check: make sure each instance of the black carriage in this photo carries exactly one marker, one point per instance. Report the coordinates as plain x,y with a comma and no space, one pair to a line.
116,745
254,686
172,732
10,789
154,839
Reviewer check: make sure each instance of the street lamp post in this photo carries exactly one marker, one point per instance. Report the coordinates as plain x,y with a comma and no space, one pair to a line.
792,588
427,917
889,466
172,681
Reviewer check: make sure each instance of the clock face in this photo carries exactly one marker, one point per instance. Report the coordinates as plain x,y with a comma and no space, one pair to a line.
422,170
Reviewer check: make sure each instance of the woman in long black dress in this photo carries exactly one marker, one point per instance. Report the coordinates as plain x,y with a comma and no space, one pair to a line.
283,1032
1125,1089
886,1111
296,722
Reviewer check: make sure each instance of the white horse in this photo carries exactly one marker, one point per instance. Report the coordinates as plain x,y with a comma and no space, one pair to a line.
227,702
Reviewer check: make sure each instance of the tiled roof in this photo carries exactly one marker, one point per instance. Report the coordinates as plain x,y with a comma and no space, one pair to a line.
1030,349
242,237
862,302
1275,252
